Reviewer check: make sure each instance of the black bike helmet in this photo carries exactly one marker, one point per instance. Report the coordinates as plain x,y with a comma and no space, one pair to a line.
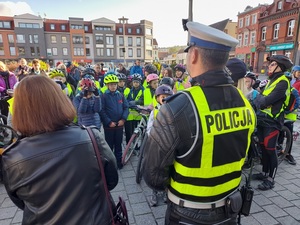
251,75
167,81
283,62
150,68
89,71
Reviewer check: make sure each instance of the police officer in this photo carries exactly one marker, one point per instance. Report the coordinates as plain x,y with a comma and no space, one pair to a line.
199,140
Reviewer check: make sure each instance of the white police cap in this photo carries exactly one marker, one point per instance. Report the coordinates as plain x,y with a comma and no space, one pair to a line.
208,37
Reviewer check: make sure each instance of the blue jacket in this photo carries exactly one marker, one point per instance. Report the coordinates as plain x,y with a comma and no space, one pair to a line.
114,107
88,110
136,69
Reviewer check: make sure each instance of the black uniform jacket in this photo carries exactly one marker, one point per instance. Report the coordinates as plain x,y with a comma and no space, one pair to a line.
55,179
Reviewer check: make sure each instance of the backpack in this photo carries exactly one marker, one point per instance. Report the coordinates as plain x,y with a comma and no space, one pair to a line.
293,102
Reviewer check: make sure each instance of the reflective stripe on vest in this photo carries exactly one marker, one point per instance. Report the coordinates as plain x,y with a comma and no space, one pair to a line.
268,90
210,181
133,114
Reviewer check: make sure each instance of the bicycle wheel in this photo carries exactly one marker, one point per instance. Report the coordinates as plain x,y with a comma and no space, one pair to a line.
287,141
130,147
139,168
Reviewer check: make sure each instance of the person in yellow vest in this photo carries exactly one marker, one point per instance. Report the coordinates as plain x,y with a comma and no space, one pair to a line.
135,97
181,79
122,84
59,78
152,81
270,117
148,69
200,137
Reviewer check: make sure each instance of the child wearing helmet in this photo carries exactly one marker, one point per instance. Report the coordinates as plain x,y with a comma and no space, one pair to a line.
250,79
152,81
181,79
114,113
87,104
122,84
149,69
135,97
59,78
162,92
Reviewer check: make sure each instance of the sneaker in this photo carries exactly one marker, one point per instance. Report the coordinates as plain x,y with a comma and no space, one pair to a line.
153,200
266,185
290,159
258,176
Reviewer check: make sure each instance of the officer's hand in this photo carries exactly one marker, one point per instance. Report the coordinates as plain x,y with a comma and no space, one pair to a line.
121,123
112,124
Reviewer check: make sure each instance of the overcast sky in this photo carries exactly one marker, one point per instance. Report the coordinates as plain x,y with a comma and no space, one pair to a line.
166,15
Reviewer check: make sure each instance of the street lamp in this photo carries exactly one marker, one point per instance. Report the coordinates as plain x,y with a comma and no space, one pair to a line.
123,20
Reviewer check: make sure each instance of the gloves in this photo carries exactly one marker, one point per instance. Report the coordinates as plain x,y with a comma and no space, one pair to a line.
85,93
96,92
131,103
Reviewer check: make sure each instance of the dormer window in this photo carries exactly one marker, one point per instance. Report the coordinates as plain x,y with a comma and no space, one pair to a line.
279,6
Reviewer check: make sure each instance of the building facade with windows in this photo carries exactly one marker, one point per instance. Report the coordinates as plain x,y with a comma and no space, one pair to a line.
100,40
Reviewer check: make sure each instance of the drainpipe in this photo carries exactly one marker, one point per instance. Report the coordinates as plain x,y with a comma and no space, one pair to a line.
296,42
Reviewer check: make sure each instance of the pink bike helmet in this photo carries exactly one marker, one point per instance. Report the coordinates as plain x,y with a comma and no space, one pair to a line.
151,77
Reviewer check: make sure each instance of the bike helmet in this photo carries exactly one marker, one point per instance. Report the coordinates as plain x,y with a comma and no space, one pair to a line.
163,90
122,76
296,68
152,77
251,75
180,67
167,81
89,83
263,83
89,71
150,68
56,73
256,84
111,78
283,62
137,77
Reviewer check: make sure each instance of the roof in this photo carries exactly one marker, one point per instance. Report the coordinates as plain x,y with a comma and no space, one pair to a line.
220,25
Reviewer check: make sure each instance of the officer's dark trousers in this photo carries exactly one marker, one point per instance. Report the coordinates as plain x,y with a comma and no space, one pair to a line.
176,215
114,138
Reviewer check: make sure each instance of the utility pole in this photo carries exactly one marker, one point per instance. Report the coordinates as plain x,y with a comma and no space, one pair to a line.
190,18
123,20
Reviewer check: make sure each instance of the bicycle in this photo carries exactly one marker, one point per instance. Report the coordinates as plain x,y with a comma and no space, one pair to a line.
138,134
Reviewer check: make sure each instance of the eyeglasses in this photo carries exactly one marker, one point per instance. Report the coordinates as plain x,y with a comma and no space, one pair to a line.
273,64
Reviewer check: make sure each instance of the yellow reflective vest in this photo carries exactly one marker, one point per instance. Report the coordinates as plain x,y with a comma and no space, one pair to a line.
216,171
268,90
133,114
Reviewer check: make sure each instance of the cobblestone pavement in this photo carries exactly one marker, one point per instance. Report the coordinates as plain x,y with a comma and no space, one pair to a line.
279,206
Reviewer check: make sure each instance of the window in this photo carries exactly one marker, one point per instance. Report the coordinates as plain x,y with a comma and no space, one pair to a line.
138,41
129,41
120,29
149,53
148,42
1,39
247,22
77,40
32,52
287,54
130,52
12,50
138,30
29,25
291,26
76,27
64,39
279,5
21,51
109,52
246,37
63,27
49,52
99,39
254,19
121,53
129,30
263,33
54,51
276,31
65,51
121,41
148,31
86,28
138,52
30,39
87,40
10,38
38,51
1,50
252,37
87,52
35,38
4,24
52,26
78,51
109,40
100,51
20,38
53,38
241,21
102,28
240,38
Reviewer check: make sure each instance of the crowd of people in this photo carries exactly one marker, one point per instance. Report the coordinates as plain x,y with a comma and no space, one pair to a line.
199,132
